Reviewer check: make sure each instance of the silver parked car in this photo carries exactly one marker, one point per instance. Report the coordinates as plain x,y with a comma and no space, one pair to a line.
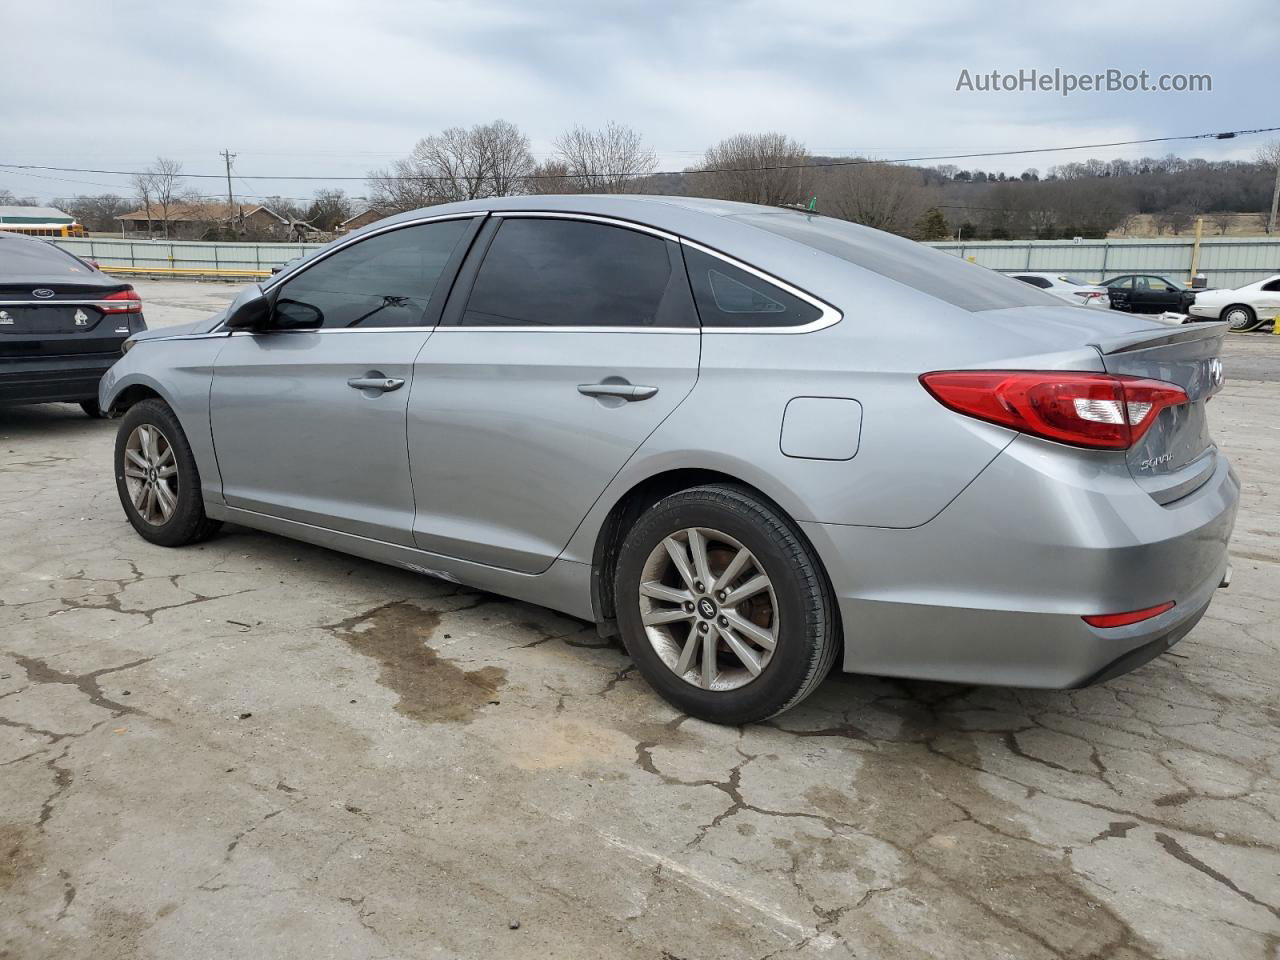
750,441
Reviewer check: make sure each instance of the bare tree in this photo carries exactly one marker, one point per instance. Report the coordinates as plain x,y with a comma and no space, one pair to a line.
143,190
550,176
159,188
1269,157
98,213
613,159
1223,220
880,195
328,209
1175,219
487,160
753,168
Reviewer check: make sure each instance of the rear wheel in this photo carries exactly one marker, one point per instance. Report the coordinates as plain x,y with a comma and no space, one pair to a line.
723,605
157,479
1240,317
91,409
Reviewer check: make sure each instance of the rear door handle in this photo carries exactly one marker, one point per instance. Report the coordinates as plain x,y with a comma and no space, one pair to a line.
381,384
627,391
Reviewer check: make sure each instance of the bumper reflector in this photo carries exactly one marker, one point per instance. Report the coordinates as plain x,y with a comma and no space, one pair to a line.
1125,619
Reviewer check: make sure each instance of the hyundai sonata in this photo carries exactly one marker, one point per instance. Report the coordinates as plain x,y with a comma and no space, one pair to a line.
749,441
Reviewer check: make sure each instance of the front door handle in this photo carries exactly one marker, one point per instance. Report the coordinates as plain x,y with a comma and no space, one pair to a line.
627,391
380,384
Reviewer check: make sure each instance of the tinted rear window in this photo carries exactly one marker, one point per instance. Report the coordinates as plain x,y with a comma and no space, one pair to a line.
564,273
20,257
941,275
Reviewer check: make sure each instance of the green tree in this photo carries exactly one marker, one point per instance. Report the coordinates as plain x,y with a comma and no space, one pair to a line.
932,225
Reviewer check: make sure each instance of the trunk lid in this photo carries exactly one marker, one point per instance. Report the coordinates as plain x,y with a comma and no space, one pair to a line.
69,322
1177,454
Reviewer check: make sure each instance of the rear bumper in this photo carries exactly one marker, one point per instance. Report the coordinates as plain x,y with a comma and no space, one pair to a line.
52,379
993,590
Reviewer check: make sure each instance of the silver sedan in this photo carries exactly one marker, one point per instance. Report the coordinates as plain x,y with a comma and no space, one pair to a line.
751,442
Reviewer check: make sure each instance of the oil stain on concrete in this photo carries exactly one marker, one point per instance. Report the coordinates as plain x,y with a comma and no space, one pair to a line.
431,688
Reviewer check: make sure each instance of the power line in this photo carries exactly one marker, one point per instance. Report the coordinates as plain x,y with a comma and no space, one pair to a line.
1223,135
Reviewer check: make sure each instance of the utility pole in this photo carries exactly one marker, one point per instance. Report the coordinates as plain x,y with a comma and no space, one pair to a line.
228,156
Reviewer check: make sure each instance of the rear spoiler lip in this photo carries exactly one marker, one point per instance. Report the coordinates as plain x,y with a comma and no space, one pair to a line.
1143,339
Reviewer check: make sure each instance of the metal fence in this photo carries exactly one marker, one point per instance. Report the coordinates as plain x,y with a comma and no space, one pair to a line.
185,257
1225,261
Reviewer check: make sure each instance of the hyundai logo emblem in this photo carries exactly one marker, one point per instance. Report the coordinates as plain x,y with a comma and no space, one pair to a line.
1216,373
44,293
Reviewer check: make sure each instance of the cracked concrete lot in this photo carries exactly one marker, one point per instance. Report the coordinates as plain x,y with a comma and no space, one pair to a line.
256,748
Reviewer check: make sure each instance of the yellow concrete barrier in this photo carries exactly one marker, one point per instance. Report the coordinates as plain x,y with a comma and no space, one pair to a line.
189,272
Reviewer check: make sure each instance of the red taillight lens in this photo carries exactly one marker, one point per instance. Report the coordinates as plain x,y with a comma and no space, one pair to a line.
1096,410
1124,619
123,301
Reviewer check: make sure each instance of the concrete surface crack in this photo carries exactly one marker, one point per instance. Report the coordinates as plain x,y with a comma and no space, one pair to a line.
1179,852
87,683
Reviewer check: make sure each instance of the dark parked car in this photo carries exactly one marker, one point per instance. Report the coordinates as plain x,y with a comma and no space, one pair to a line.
1148,293
62,323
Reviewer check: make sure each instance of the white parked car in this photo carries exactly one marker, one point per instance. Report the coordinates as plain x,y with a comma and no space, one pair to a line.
1068,288
1246,308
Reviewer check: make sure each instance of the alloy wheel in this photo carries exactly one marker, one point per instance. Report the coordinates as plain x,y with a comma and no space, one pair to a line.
151,474
709,609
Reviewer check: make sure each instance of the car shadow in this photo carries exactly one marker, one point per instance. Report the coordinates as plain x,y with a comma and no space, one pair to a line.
39,419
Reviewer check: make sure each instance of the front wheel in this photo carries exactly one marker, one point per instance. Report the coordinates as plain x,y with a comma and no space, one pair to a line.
1240,317
157,479
723,605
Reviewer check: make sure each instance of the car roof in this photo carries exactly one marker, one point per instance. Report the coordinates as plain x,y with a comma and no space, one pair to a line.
794,244
34,260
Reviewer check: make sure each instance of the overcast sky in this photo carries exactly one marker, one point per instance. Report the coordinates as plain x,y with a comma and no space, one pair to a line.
334,88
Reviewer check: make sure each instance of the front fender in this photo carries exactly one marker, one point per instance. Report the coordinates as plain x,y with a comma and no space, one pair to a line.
180,372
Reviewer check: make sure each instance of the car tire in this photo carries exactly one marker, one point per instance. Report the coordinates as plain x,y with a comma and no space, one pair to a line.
670,616
91,409
1239,317
157,477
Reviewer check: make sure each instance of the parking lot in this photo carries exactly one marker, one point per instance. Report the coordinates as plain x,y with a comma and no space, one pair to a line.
257,748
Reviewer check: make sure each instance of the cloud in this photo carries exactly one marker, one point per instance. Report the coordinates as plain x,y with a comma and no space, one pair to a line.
333,88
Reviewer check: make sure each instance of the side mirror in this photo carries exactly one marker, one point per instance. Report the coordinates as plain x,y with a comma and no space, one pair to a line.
251,312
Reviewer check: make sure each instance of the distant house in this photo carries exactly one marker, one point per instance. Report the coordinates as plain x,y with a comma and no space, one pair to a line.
39,222
361,219
195,221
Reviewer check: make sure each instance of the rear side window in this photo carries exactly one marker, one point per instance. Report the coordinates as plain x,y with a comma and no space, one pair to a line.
1042,282
731,297
574,273
384,281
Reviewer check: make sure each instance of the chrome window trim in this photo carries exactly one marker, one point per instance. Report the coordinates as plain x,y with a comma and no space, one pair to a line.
533,327
328,330
589,218
830,315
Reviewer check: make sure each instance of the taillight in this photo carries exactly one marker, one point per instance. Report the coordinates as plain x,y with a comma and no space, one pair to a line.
1125,619
1089,295
123,301
1096,410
